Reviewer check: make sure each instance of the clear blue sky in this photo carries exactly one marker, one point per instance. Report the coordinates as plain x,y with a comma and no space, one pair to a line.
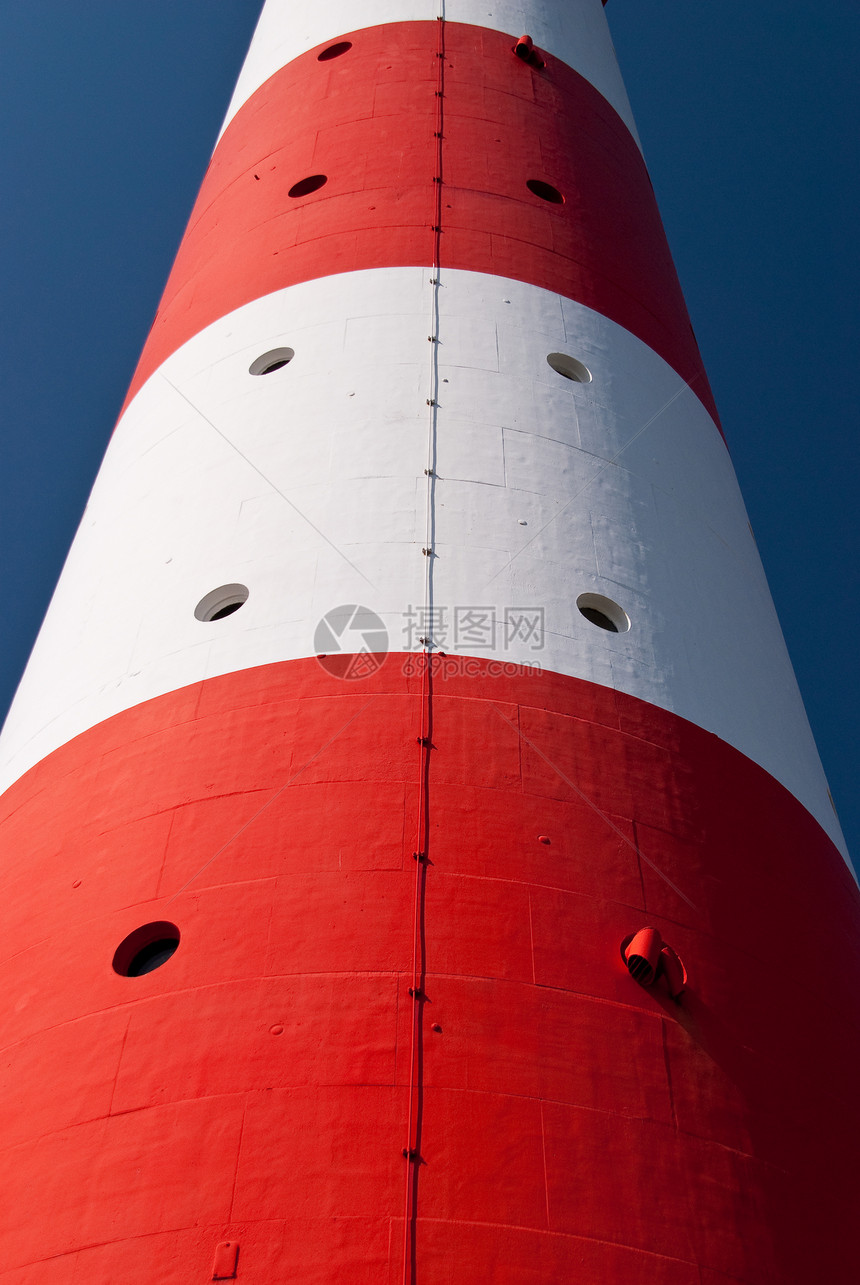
749,118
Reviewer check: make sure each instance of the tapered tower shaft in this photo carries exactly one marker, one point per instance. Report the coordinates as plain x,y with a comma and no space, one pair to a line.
413,655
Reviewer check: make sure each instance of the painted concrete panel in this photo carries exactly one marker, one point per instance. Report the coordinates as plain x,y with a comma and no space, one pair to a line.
576,33
307,485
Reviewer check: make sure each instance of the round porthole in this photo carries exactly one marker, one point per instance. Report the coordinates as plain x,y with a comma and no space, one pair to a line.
274,359
334,51
545,191
305,186
603,612
146,949
221,602
562,364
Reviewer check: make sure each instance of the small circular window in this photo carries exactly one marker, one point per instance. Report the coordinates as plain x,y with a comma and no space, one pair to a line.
562,364
603,612
305,186
545,191
274,359
221,602
146,949
334,51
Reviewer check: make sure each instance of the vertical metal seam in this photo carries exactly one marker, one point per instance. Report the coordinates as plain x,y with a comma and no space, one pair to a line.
411,1150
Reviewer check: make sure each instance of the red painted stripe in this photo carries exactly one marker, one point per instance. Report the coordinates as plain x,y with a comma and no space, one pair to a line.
253,1089
366,121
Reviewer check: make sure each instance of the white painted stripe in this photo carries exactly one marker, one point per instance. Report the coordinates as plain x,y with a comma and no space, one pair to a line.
573,30
307,485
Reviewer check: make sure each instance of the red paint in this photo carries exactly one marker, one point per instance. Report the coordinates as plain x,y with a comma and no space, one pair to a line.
572,1124
525,49
648,958
642,955
226,1261
367,122
673,971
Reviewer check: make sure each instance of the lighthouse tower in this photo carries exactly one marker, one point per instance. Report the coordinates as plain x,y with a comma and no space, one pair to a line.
418,868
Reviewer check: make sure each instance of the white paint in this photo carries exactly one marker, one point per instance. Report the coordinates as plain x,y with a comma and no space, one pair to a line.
573,30
307,485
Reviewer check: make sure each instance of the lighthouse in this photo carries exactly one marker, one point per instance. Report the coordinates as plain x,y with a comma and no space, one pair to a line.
418,864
